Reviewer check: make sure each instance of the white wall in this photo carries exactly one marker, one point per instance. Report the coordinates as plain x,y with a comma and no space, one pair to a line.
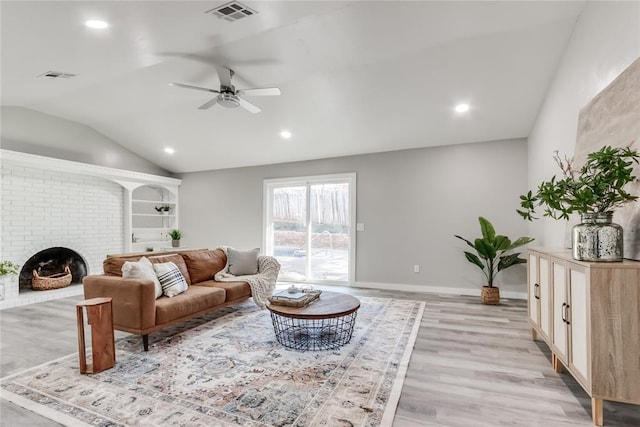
412,203
32,132
606,40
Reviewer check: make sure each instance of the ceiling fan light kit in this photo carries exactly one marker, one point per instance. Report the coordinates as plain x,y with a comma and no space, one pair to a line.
228,100
228,96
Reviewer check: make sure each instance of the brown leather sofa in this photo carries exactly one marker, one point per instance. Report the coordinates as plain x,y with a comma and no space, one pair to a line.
135,307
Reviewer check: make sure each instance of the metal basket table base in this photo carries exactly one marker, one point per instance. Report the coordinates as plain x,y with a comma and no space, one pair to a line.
313,334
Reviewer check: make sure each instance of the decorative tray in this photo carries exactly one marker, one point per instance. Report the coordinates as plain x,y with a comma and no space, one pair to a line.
296,299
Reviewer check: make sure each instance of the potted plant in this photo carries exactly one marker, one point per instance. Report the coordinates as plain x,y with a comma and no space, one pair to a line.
163,209
7,268
594,191
176,235
491,256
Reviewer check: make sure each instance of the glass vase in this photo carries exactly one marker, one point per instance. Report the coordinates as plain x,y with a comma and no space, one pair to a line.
597,238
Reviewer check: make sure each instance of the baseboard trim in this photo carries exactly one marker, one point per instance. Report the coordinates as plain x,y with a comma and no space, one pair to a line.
433,289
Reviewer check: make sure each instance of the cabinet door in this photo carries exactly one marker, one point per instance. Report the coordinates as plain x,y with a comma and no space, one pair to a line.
578,323
533,289
559,339
544,292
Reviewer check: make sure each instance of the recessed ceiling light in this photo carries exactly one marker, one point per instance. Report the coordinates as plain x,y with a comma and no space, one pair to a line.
169,150
462,108
96,24
285,134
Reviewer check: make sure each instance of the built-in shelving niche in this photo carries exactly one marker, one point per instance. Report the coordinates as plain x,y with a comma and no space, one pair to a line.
150,228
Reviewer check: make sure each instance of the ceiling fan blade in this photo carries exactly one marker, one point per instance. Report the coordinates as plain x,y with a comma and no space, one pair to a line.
248,106
208,104
224,74
204,89
265,91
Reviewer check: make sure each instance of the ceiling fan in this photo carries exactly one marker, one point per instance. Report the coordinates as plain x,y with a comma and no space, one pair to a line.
228,96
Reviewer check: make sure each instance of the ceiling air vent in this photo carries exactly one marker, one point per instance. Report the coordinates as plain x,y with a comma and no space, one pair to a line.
57,75
232,11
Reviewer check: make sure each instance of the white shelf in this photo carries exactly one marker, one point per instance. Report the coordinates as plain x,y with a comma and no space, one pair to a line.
157,202
152,228
152,242
153,215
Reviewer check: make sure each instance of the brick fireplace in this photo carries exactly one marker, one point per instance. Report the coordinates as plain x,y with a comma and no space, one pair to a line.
45,209
50,203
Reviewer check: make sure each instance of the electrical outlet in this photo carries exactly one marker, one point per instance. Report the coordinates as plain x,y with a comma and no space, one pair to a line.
360,226
416,268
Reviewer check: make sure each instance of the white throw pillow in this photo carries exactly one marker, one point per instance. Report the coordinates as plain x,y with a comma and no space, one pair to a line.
243,263
143,269
171,279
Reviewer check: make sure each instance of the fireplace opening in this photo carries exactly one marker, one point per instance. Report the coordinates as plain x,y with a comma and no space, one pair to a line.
52,261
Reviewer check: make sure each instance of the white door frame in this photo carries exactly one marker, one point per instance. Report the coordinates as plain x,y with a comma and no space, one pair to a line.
270,184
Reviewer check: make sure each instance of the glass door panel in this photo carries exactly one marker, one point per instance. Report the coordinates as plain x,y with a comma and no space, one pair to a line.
289,225
329,238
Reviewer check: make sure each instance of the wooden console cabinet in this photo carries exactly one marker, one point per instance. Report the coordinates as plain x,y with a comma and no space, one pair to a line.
589,315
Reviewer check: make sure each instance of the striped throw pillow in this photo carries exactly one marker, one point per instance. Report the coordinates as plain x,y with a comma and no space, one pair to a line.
171,280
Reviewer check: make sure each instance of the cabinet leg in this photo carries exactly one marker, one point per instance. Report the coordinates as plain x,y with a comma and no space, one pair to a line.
555,362
534,334
596,411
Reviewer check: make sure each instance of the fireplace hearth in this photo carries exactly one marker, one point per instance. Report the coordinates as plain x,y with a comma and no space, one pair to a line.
52,261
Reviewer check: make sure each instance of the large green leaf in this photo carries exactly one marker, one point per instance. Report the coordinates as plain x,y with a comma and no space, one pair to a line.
472,258
509,260
488,232
521,241
502,243
485,249
468,242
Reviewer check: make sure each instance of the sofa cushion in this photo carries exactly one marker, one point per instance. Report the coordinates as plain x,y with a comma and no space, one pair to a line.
142,269
112,265
243,263
170,278
193,300
234,290
203,265
177,260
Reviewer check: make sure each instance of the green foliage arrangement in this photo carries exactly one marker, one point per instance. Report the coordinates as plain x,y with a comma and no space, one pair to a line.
7,268
598,186
491,251
175,234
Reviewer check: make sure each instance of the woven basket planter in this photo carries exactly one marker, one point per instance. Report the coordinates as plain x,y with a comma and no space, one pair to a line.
490,295
55,281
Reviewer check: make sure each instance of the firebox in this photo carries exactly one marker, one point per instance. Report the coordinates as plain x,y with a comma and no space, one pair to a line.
51,261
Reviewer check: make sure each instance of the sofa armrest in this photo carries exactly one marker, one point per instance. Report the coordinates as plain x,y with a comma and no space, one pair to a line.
133,300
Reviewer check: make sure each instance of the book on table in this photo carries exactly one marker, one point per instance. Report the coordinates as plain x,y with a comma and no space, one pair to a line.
291,296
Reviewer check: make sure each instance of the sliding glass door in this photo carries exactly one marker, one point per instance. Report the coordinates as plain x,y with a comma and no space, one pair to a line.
309,227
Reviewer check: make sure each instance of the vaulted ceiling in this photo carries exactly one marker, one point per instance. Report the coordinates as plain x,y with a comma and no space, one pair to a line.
355,76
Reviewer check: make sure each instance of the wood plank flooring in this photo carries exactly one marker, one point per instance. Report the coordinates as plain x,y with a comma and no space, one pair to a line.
472,365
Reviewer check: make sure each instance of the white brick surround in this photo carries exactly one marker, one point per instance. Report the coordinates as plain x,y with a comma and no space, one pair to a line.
45,203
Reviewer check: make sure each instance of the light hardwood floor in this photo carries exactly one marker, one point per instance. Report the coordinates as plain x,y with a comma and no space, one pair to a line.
472,365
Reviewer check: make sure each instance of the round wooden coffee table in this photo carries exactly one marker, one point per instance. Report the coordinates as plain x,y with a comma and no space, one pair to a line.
324,324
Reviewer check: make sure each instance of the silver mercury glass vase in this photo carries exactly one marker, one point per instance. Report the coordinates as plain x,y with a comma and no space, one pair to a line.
597,238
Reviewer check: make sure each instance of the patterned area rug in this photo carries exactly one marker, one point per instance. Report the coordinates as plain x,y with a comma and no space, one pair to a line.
228,370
